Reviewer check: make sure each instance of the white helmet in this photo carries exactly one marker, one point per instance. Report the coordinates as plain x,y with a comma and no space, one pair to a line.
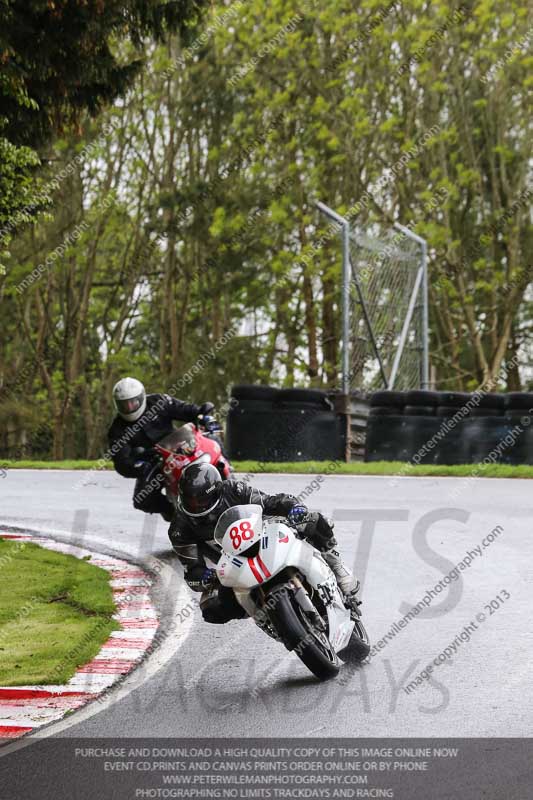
129,397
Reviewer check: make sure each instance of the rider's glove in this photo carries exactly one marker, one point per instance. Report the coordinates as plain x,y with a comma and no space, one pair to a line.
210,424
145,458
208,577
200,578
297,515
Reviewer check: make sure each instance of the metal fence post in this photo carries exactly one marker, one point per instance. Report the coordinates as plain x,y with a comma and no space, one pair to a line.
346,308
425,301
425,317
345,304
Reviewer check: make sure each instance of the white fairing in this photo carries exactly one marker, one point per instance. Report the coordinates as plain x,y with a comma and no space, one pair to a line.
279,548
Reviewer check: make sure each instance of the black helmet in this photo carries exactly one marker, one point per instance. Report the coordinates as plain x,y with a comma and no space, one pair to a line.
199,489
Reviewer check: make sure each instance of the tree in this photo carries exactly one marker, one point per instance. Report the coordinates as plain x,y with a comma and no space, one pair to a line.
211,172
61,59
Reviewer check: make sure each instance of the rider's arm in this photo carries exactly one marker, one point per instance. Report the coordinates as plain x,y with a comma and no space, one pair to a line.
178,409
124,459
188,552
280,504
273,504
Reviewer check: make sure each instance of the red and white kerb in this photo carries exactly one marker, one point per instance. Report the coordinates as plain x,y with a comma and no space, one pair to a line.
25,708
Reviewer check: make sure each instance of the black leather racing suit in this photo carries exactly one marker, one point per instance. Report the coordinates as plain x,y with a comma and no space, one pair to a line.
191,537
150,428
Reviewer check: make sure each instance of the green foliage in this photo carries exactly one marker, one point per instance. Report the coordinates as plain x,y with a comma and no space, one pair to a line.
18,190
55,614
213,163
60,60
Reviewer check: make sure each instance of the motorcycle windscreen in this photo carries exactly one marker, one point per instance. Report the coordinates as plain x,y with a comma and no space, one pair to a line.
182,441
239,527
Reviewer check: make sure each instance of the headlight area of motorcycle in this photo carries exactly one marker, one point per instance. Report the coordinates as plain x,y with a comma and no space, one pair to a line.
252,551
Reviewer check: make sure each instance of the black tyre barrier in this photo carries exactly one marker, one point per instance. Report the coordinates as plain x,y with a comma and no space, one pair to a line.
485,412
251,404
520,424
267,424
460,429
314,408
249,432
421,398
420,446
492,400
386,438
309,397
453,399
451,446
484,438
384,411
519,400
419,411
386,398
447,411
285,434
248,392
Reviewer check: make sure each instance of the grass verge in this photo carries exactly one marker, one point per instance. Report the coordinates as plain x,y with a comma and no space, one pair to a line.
28,464
324,467
399,468
55,613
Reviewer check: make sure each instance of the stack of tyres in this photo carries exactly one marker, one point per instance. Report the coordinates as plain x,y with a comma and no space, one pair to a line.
453,443
251,422
518,412
485,431
387,435
421,425
268,424
303,398
312,430
450,427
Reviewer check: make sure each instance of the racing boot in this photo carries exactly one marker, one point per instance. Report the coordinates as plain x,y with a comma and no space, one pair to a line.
346,581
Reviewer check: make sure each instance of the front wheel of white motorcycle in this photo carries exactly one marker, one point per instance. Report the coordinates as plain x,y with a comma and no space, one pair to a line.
358,648
300,634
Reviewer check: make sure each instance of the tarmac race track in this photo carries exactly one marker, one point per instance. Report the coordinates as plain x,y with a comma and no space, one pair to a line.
405,535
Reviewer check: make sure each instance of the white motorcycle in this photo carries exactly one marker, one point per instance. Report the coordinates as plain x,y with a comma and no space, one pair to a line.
290,592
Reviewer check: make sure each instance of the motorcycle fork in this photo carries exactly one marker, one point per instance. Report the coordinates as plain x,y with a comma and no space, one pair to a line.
292,581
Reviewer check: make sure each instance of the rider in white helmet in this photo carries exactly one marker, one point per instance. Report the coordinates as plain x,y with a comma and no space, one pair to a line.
143,420
129,397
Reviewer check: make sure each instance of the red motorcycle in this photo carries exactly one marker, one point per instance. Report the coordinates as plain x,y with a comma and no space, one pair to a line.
185,446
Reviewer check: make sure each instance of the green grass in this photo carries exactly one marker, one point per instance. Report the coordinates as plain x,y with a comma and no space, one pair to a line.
387,468
67,464
55,614
322,467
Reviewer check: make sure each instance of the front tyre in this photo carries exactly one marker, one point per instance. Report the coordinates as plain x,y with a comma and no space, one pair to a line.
358,648
298,633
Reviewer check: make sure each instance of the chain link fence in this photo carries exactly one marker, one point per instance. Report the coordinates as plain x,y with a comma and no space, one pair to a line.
384,308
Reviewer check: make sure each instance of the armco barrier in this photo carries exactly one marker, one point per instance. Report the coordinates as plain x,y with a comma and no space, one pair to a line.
291,425
450,427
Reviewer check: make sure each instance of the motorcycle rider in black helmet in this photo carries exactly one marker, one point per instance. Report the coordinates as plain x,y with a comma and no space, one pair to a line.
202,497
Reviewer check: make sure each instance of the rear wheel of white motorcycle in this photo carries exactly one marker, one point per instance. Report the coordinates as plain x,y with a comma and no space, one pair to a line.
299,634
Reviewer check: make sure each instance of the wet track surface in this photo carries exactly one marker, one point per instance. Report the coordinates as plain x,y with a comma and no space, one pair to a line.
404,536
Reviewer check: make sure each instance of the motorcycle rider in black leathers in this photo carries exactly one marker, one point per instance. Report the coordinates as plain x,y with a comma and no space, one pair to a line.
143,420
202,497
